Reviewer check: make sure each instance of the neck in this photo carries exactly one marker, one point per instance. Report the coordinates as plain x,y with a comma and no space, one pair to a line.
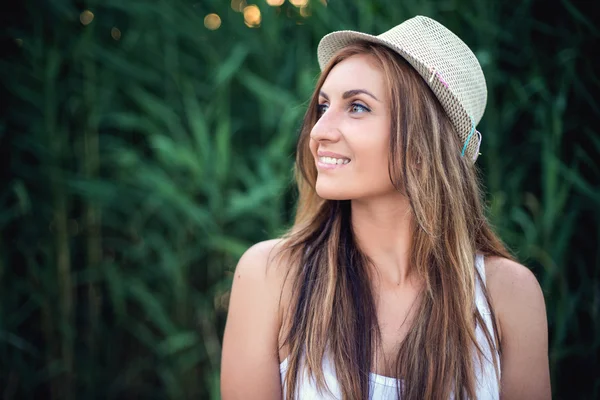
383,230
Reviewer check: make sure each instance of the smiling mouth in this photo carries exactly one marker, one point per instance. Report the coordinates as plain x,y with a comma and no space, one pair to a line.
334,161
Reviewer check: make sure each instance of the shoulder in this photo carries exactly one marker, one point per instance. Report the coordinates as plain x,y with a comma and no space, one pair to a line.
510,283
249,358
261,271
514,291
504,275
263,262
260,254
520,311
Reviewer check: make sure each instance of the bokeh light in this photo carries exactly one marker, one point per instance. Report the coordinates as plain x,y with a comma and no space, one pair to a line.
238,5
115,33
305,12
19,42
212,21
86,17
299,3
275,2
252,16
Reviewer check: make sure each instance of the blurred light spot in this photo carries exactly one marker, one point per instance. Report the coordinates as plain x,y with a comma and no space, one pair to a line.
252,16
19,42
115,33
238,5
324,2
305,12
86,17
275,2
212,22
299,3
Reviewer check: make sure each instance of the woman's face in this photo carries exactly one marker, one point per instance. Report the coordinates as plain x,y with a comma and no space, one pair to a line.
350,141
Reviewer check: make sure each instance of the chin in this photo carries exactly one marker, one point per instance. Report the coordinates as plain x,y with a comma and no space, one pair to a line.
331,193
334,197
328,191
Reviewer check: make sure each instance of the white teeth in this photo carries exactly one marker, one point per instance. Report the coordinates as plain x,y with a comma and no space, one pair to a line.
334,161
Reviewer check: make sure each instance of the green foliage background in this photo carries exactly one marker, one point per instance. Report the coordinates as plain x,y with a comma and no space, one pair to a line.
136,171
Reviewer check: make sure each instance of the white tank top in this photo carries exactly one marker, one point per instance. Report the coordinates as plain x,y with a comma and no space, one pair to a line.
384,388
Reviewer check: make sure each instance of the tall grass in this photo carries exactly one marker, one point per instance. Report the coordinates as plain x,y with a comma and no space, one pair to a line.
140,166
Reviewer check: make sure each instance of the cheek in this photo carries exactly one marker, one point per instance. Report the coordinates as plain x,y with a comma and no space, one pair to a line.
376,153
375,163
376,173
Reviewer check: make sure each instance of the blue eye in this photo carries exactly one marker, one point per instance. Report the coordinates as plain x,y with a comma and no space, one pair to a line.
359,108
321,108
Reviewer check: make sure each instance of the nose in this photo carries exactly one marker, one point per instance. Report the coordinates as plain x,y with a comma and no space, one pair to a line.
326,129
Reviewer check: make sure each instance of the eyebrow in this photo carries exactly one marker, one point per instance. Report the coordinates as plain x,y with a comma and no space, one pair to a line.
351,93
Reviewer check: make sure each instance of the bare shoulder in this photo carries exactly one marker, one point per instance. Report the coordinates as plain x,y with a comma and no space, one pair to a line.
261,271
512,285
520,309
262,260
504,276
249,359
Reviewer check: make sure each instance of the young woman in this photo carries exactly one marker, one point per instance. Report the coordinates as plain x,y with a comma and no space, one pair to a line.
391,283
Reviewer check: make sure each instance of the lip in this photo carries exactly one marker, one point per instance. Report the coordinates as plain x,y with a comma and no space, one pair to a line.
330,154
321,165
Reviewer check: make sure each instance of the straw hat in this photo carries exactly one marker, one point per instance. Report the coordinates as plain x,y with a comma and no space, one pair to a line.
445,62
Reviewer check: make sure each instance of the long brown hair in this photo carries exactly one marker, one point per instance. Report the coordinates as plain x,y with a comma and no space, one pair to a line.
332,309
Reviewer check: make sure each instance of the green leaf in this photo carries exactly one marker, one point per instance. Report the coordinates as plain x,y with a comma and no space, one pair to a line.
177,342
